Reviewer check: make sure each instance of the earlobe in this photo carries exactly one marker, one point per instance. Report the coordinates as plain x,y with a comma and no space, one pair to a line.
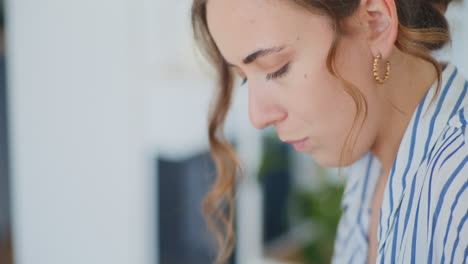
382,20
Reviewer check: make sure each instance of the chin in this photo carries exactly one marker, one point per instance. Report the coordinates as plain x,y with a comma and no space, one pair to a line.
332,161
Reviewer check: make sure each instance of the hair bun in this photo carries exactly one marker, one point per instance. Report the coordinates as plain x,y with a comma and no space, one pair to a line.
424,14
440,4
431,14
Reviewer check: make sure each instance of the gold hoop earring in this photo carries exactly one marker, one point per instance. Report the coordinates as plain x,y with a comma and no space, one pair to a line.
376,70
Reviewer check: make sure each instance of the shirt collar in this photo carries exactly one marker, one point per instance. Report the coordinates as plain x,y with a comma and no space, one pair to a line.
425,127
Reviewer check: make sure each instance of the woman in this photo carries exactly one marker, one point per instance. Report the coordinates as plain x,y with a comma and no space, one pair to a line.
351,82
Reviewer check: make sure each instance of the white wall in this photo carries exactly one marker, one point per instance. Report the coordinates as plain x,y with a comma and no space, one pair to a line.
456,51
81,184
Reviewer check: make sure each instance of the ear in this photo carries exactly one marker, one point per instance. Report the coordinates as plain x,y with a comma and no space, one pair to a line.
382,24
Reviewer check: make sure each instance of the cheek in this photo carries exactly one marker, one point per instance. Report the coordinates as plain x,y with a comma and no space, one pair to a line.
336,111
354,62
335,135
326,112
319,100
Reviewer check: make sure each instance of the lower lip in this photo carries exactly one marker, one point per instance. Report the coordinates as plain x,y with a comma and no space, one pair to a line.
300,145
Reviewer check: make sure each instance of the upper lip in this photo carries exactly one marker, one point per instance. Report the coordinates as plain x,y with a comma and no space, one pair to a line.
293,141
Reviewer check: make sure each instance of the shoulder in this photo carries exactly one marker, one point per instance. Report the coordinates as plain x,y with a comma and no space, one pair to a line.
450,153
447,192
448,161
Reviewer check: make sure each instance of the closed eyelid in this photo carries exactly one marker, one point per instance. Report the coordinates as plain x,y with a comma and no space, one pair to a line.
281,67
283,70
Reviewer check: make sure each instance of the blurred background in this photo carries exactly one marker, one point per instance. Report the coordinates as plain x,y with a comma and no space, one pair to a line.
103,150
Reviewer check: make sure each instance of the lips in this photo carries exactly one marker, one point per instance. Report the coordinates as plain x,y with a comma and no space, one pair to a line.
294,141
299,145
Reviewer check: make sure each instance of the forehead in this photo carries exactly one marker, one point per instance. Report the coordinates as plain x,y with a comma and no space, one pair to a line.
239,27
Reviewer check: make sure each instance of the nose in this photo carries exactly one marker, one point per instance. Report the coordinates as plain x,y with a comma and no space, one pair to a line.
264,110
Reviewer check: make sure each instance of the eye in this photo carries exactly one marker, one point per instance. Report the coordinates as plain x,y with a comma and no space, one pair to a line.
281,72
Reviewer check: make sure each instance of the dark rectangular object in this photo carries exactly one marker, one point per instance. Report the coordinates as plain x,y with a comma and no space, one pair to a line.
182,185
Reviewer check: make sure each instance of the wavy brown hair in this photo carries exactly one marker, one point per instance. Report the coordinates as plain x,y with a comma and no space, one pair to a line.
422,28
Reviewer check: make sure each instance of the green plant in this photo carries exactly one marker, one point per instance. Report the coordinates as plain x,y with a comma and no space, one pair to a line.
322,208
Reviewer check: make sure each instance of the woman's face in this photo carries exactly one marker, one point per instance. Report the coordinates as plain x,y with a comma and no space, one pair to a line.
289,86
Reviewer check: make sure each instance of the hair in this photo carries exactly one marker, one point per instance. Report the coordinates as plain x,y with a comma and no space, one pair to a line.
422,28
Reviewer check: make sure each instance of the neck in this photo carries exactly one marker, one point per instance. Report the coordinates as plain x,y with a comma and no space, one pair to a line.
410,79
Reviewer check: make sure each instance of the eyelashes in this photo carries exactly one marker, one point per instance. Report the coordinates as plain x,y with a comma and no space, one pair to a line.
280,73
244,81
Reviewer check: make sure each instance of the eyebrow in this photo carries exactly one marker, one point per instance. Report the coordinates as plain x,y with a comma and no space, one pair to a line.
259,53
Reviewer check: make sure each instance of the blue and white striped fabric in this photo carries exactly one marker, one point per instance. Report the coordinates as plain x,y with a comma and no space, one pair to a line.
424,211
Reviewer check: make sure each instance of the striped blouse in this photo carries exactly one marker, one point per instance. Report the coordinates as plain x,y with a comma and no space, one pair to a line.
423,218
